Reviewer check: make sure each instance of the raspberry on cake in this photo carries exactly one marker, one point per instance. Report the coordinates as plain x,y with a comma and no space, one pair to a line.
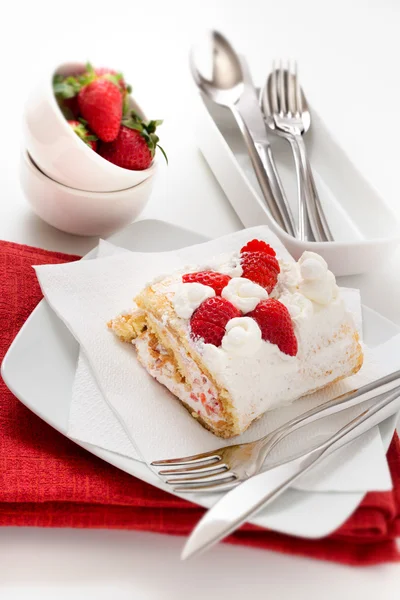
250,334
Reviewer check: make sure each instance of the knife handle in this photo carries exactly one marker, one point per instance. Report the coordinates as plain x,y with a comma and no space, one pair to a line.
267,177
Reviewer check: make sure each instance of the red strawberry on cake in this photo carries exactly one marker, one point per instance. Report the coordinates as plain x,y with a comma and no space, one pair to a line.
217,281
257,331
276,325
208,322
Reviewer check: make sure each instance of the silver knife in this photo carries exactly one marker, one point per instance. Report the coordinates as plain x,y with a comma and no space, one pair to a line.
251,123
238,505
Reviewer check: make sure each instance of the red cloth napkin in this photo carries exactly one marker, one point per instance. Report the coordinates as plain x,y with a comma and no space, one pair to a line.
48,481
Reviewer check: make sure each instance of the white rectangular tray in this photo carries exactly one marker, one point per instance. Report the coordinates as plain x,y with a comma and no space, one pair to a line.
364,228
40,365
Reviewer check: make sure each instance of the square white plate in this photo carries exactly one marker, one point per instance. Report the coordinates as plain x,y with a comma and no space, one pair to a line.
39,369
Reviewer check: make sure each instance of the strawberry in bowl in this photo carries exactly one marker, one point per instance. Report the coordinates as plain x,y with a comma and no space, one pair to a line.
135,144
100,100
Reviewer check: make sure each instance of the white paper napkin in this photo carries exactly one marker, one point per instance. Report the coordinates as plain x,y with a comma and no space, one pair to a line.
91,418
86,294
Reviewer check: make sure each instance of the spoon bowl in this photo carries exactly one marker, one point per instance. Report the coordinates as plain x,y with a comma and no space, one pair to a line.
216,69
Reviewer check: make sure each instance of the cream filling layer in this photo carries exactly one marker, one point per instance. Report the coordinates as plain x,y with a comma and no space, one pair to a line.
194,389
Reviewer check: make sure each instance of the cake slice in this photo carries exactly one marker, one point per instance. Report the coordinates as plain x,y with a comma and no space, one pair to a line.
243,336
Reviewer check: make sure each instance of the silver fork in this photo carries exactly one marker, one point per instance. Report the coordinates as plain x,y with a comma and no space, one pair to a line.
226,467
285,104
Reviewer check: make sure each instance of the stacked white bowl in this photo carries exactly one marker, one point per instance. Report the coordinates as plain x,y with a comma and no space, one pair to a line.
68,184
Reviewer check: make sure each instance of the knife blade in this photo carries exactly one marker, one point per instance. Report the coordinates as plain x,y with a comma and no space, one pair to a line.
248,498
248,111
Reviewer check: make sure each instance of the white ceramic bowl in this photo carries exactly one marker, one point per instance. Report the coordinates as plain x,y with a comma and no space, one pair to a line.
78,211
59,152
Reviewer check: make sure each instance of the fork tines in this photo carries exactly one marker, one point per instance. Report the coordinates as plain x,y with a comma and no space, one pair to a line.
286,94
199,473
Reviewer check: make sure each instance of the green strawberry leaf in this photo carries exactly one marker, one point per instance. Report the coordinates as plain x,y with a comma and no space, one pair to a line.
125,109
114,78
65,87
83,133
151,126
163,153
90,70
133,125
146,130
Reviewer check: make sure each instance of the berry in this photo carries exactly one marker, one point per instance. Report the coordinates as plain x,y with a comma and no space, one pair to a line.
115,77
261,268
100,103
118,79
276,325
135,144
85,135
209,320
98,94
129,150
258,246
217,281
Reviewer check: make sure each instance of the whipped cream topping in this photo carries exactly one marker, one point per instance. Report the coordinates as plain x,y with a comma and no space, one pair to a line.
189,296
289,278
228,264
244,294
318,283
299,306
242,337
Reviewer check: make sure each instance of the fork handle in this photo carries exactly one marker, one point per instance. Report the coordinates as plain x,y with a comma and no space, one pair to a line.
310,208
320,211
305,232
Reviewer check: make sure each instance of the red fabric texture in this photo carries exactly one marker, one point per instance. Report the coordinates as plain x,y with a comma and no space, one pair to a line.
48,481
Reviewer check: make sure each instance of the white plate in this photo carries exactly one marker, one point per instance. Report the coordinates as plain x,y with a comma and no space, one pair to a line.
365,229
39,369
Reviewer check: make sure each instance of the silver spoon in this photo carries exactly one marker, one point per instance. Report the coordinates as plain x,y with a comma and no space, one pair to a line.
218,73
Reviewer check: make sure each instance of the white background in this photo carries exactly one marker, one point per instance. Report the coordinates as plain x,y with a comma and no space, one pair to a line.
348,52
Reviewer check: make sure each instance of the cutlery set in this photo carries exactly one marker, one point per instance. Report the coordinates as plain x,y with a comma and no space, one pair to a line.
224,78
247,499
238,468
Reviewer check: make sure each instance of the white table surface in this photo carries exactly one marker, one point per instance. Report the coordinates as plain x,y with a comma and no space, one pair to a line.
348,52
